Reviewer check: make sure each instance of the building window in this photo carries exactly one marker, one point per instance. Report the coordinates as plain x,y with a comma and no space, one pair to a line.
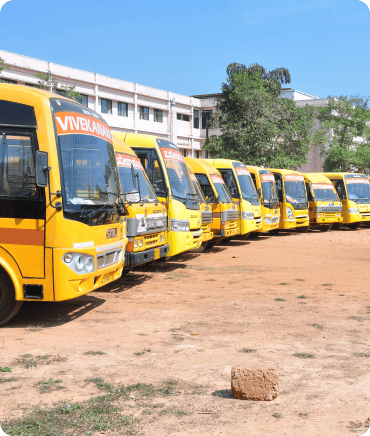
158,116
206,119
198,154
196,118
183,117
13,82
122,109
106,106
31,85
144,113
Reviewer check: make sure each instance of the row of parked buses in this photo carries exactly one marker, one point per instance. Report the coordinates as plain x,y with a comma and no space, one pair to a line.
80,204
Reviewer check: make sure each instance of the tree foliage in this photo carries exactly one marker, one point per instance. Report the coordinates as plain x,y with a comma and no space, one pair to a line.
3,66
257,126
345,128
47,80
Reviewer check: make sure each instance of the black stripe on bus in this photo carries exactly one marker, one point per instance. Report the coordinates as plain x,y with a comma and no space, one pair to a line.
22,208
17,115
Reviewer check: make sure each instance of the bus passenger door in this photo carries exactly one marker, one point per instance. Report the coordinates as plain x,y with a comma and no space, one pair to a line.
22,204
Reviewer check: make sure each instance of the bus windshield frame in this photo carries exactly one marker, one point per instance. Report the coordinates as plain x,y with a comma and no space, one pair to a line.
358,188
269,190
324,192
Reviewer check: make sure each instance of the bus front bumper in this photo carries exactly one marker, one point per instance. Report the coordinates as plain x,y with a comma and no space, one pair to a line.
141,257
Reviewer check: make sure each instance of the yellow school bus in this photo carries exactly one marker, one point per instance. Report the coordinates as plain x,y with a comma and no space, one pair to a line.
354,193
325,208
243,192
170,178
270,207
207,215
147,217
62,224
293,199
225,212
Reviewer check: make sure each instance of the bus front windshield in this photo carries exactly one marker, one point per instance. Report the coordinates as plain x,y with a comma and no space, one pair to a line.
295,192
358,189
269,192
87,163
222,192
143,191
324,192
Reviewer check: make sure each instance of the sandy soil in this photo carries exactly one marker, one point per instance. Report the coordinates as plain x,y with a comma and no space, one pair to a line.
195,313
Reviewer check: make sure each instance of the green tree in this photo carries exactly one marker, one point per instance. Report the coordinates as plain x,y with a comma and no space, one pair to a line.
343,121
3,66
47,80
257,126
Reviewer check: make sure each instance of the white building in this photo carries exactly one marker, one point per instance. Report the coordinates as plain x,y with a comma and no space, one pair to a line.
126,106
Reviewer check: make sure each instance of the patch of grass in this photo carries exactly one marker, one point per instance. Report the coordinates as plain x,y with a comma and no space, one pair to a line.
327,284
357,318
139,353
300,280
49,386
178,338
277,415
99,383
303,415
34,328
30,361
279,299
355,424
283,283
5,380
173,411
362,354
302,296
247,350
318,326
304,355
5,369
72,418
368,309
94,353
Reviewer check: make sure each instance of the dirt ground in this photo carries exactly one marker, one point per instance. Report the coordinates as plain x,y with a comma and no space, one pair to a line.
188,321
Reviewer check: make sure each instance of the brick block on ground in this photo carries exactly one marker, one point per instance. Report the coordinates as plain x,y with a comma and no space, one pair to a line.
260,384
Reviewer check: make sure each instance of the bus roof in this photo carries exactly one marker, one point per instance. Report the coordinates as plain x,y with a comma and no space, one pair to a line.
221,163
138,139
317,178
201,166
120,146
341,175
283,171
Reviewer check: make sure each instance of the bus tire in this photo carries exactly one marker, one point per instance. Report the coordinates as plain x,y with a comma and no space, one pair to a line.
244,237
274,232
335,226
354,226
213,243
9,307
302,229
325,227
254,235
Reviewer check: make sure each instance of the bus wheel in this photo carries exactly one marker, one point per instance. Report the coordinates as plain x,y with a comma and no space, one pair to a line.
335,226
9,307
354,226
254,235
245,236
274,232
325,228
302,229
213,243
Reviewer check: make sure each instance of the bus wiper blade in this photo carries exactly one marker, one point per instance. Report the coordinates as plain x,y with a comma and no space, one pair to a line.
179,196
191,195
94,212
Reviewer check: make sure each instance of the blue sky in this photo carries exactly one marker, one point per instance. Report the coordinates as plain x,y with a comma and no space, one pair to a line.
185,47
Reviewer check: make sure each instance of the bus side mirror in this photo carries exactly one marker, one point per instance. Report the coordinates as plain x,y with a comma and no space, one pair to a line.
42,169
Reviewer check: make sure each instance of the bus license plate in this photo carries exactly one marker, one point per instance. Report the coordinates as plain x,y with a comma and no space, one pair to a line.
157,253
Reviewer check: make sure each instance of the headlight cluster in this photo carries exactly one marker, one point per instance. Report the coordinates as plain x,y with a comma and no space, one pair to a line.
267,220
161,238
247,216
338,215
79,262
289,213
225,226
320,215
353,210
180,226
139,242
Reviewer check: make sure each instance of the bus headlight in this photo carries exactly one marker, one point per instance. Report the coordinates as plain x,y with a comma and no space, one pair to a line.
247,216
353,210
79,262
289,213
180,226
267,220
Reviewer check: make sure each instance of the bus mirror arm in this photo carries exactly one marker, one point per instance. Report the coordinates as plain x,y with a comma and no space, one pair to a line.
43,177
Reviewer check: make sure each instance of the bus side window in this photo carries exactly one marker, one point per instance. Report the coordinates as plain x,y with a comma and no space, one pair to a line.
230,182
206,187
254,180
309,193
339,186
279,185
